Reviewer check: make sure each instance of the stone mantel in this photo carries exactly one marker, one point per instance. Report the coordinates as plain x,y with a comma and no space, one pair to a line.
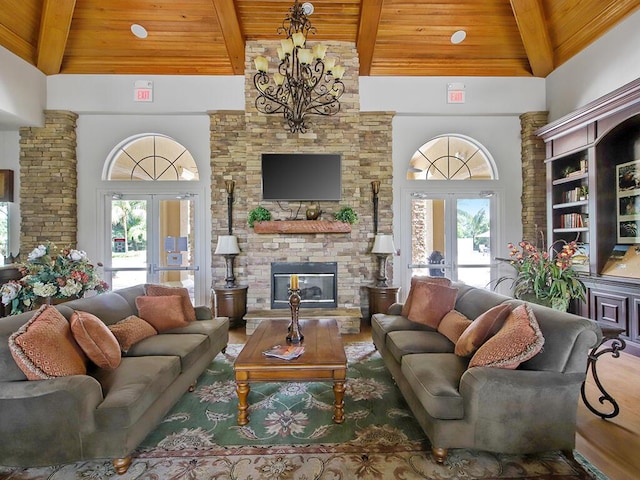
301,226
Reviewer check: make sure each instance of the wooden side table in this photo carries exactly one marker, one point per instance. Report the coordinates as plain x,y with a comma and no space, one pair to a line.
381,298
230,302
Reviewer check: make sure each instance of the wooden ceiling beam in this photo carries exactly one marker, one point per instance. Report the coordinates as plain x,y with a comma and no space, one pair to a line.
55,24
535,35
233,38
368,33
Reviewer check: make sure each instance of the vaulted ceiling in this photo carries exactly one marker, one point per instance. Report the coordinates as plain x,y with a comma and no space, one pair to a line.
393,37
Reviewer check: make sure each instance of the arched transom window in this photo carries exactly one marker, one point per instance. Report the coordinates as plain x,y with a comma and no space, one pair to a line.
151,157
451,157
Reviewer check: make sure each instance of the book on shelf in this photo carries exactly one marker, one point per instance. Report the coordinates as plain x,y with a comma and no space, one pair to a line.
284,352
574,220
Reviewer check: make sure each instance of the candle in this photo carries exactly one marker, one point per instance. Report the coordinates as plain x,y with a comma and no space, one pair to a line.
294,282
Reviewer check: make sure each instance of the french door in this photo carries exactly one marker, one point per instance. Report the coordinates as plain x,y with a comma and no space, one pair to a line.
451,236
153,239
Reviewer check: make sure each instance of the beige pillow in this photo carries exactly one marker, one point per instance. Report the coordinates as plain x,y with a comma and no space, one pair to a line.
163,313
130,331
453,324
431,302
96,340
481,329
160,290
44,348
415,281
518,340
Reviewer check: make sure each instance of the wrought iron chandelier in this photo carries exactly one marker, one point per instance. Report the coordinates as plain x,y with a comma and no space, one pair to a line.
306,83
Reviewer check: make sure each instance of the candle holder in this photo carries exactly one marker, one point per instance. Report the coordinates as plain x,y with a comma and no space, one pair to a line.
295,333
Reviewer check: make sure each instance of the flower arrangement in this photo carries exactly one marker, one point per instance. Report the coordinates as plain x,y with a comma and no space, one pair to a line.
49,273
546,276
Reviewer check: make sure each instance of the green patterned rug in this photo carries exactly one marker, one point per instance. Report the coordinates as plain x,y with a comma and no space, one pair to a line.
291,436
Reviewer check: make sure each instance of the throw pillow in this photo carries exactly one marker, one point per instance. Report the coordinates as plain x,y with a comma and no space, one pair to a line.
163,313
96,340
415,281
453,324
431,302
481,329
160,290
130,331
44,347
518,340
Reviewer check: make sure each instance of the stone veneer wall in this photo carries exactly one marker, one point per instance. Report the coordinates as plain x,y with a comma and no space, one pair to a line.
534,187
48,182
363,139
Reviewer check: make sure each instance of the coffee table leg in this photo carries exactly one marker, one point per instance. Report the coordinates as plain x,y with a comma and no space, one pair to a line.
242,389
338,390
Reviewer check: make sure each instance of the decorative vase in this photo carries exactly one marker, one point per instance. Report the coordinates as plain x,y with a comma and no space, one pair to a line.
295,334
313,212
561,304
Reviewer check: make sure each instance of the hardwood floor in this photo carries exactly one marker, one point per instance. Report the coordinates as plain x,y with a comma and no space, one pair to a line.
612,445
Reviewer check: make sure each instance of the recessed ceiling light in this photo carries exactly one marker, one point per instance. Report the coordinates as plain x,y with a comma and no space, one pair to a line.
458,37
139,31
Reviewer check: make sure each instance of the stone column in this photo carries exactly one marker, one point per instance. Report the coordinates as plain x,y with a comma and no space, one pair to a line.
48,182
534,190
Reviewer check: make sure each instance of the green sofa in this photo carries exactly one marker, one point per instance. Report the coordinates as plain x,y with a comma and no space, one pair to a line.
530,409
106,413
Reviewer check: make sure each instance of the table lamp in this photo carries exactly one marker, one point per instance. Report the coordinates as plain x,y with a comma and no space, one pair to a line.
383,247
228,247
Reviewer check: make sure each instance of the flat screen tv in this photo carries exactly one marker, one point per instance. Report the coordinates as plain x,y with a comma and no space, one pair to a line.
301,176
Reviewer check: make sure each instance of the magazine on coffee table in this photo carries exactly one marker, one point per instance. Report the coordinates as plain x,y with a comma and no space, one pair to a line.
285,352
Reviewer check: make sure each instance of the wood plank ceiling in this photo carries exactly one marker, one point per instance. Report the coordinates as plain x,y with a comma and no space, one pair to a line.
393,37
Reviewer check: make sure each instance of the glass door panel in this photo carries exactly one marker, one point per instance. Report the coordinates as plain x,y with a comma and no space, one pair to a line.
451,237
152,241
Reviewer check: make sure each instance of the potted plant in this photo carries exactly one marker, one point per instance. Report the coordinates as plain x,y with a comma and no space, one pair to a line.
346,215
258,214
545,277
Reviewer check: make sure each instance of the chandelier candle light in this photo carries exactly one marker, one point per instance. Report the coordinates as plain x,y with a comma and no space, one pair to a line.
306,83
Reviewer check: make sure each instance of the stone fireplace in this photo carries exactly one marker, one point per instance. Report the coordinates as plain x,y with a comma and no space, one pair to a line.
364,141
318,284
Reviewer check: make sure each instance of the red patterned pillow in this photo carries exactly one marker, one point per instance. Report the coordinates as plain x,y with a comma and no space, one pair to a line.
481,329
160,290
163,313
453,325
417,280
431,302
130,331
518,340
44,347
96,340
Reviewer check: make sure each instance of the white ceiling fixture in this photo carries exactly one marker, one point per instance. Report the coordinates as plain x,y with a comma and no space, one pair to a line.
458,37
139,31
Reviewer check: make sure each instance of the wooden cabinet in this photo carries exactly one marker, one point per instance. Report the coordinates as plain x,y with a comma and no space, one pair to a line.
381,298
230,302
587,153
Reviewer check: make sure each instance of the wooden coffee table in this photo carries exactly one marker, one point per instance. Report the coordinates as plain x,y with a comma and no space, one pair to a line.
323,360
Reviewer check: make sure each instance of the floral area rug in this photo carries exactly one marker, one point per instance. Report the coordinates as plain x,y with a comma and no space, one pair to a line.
291,436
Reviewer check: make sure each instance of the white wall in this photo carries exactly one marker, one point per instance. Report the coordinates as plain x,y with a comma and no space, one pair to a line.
609,63
22,92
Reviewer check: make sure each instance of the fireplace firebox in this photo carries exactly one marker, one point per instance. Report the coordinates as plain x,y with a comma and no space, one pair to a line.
318,282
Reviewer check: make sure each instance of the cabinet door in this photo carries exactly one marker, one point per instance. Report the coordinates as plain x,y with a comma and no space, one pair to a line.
610,308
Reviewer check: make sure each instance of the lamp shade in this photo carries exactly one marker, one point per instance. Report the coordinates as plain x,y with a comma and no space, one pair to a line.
227,245
383,244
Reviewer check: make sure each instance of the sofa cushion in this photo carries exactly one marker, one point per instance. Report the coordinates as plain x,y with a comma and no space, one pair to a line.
189,347
435,378
431,302
162,290
453,325
408,342
518,340
163,313
132,388
44,347
417,280
96,340
481,329
131,330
